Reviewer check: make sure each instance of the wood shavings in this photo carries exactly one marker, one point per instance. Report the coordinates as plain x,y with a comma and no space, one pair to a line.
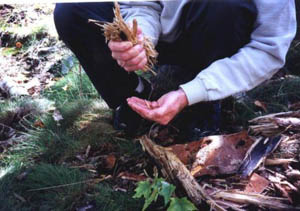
118,30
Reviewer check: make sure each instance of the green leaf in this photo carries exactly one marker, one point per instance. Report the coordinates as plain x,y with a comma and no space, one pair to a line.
167,190
149,200
182,204
155,187
157,183
143,189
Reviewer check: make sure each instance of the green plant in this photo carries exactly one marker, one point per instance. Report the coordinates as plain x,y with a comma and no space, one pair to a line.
159,187
107,199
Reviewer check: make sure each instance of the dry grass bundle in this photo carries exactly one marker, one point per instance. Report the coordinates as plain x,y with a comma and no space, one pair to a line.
118,30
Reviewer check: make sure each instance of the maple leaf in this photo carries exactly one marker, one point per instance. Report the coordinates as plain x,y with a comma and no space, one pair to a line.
182,204
143,189
167,190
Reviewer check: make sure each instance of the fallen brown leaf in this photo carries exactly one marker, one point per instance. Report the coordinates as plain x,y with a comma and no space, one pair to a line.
261,105
131,176
39,124
221,154
256,184
110,161
186,152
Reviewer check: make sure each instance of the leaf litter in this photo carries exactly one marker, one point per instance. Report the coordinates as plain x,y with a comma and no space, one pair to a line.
210,166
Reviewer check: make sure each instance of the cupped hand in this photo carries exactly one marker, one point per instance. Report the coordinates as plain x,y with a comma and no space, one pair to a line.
161,111
130,57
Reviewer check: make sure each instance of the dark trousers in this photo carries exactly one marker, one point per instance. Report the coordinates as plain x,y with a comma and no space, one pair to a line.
210,30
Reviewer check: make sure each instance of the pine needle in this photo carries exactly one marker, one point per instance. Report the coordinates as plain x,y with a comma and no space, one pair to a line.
70,184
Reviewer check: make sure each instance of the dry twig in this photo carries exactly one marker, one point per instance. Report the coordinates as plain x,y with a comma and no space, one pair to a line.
118,30
273,124
176,171
256,199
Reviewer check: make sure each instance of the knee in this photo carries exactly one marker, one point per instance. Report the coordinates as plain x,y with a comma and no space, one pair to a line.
64,18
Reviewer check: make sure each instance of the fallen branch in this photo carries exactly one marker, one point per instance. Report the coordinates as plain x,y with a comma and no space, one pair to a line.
273,124
176,171
256,199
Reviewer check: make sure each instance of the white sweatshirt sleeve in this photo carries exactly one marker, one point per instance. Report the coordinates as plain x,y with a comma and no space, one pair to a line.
147,14
256,62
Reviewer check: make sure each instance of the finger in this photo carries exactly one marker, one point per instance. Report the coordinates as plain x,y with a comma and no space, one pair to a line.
121,63
137,100
133,52
140,38
154,104
140,35
116,55
139,103
156,115
131,68
146,103
141,110
142,64
127,55
136,60
139,31
119,46
121,56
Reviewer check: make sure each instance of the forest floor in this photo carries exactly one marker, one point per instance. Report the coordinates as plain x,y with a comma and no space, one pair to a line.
58,150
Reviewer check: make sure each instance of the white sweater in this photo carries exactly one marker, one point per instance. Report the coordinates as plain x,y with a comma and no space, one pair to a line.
254,63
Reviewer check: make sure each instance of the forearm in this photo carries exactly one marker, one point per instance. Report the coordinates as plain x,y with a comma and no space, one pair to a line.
255,62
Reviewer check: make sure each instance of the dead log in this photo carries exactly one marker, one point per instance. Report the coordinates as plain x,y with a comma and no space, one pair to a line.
177,173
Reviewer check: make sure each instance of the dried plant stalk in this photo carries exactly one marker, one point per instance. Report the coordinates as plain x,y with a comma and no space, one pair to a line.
118,30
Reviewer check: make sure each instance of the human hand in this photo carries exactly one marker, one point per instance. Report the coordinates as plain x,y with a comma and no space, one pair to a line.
130,57
161,111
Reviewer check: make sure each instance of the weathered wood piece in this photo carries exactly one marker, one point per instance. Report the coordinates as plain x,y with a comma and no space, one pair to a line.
256,199
274,124
176,171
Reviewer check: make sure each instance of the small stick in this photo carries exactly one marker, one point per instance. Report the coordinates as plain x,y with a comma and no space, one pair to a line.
278,161
148,105
134,28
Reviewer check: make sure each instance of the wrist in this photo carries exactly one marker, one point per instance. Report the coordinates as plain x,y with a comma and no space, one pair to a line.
183,101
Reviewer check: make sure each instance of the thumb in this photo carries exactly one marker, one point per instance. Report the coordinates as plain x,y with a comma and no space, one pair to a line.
139,31
154,104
